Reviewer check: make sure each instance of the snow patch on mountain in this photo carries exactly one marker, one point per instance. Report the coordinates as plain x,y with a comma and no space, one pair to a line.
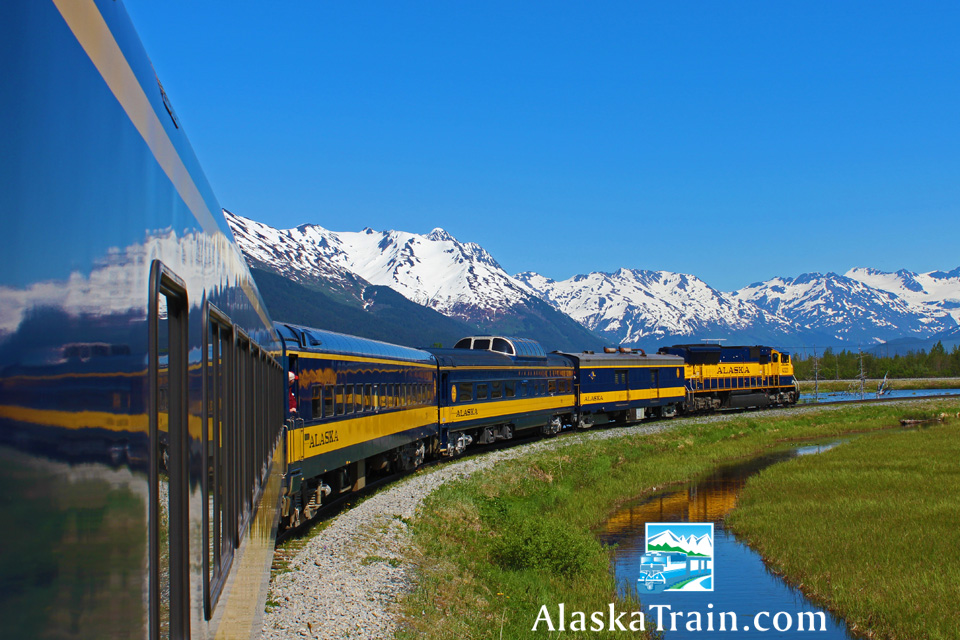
936,293
635,304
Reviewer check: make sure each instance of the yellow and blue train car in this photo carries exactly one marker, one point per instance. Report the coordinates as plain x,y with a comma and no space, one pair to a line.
357,407
626,385
719,377
140,401
491,387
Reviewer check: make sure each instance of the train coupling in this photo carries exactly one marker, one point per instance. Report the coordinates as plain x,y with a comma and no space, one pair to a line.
456,444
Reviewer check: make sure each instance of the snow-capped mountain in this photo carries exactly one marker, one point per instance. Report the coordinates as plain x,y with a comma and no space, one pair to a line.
458,279
305,254
935,292
668,541
463,281
434,270
633,305
845,308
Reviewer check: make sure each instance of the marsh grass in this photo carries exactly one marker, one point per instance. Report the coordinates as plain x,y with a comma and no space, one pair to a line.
495,547
870,529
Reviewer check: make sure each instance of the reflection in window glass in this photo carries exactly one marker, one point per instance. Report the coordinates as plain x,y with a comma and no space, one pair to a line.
496,390
482,391
510,389
328,401
464,392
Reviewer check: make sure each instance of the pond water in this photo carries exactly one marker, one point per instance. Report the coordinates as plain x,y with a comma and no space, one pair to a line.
741,582
870,394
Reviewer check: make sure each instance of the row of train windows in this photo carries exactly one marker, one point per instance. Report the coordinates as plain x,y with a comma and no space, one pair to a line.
328,401
640,376
242,387
735,383
496,390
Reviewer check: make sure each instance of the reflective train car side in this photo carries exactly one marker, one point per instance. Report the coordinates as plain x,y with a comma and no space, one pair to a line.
140,395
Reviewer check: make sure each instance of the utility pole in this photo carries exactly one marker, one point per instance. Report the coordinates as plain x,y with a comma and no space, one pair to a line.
816,375
863,375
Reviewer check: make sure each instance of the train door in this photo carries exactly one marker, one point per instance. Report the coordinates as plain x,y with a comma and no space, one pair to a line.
167,371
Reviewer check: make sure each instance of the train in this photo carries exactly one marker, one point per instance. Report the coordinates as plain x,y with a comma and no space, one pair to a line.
157,427
360,408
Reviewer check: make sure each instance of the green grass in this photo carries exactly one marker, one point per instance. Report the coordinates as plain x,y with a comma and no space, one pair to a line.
870,386
492,549
869,529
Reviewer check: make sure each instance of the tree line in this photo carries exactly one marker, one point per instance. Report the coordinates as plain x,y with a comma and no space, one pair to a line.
845,365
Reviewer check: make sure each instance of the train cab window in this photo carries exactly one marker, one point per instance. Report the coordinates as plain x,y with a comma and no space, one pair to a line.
464,391
482,391
328,401
510,389
786,358
482,344
496,390
776,357
501,345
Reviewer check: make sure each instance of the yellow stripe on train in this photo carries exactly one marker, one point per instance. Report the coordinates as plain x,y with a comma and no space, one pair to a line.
612,397
316,439
485,410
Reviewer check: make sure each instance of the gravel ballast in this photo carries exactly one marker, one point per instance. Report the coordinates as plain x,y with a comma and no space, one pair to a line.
347,581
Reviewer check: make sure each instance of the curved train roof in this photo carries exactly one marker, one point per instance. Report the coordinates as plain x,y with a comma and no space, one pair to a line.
484,358
509,345
626,359
321,341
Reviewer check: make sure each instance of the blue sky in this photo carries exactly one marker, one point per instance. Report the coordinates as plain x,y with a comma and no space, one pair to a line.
736,141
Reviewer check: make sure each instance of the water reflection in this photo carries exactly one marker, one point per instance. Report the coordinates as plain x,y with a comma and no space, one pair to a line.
742,583
851,396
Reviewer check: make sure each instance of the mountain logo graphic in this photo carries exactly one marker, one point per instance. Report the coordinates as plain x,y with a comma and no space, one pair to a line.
679,557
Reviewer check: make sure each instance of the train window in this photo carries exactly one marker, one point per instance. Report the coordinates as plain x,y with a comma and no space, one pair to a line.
482,344
463,343
501,345
482,391
350,399
786,358
328,405
510,389
368,397
496,390
169,597
464,391
551,386
316,401
776,357
339,410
